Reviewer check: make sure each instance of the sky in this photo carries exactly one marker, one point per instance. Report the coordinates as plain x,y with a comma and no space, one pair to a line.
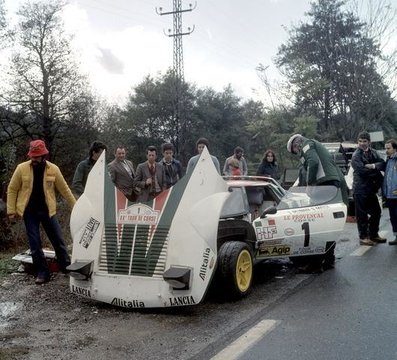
121,41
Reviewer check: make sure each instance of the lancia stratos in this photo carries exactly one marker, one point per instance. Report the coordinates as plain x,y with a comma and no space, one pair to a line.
205,229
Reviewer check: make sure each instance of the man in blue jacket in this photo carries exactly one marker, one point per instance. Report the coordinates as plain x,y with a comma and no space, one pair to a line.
390,185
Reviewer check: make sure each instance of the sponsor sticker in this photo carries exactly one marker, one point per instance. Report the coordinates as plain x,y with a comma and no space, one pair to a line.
304,217
89,232
275,250
131,304
138,214
181,300
266,232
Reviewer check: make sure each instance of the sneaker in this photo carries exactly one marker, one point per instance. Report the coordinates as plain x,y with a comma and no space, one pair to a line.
41,280
378,239
367,242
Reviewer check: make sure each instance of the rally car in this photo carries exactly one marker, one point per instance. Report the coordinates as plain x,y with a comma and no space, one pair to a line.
168,251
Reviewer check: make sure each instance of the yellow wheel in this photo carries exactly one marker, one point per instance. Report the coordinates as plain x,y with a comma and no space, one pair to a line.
244,270
235,268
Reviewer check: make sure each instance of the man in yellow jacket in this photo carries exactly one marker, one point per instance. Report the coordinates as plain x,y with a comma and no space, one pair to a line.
31,195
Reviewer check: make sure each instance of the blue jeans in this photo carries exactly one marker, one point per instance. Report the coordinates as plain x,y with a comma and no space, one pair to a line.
392,205
53,230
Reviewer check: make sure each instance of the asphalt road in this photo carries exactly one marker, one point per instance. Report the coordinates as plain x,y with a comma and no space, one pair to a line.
347,313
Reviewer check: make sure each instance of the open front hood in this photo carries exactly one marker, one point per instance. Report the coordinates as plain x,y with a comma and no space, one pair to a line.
155,254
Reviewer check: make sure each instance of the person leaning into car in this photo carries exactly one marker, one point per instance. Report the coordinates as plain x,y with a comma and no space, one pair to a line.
367,179
318,167
31,195
389,187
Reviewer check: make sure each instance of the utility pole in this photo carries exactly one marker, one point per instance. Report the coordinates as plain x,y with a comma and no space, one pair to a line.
178,67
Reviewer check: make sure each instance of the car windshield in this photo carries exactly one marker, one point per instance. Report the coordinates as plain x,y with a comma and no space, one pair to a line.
301,196
236,204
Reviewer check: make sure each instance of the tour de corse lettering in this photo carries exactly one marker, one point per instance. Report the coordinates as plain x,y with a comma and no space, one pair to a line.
204,266
182,300
81,291
131,304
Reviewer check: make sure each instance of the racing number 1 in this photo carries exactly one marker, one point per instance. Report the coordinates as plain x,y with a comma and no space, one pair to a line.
305,228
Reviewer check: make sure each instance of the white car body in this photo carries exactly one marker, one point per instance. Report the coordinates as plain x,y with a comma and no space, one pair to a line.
164,252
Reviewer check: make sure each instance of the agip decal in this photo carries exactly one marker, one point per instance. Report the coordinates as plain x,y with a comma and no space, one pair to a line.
275,250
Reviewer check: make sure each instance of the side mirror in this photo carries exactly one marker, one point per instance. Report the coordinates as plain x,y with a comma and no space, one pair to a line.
270,210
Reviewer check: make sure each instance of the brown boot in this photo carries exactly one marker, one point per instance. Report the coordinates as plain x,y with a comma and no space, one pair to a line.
367,242
377,239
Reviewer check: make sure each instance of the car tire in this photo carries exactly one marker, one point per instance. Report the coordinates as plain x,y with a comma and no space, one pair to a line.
235,269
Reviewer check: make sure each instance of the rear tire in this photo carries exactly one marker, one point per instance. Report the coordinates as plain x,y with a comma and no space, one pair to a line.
235,269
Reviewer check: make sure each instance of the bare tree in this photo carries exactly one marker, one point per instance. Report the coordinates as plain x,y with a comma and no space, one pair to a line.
43,73
380,24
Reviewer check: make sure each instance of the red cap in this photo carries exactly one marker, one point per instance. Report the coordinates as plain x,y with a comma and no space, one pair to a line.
37,148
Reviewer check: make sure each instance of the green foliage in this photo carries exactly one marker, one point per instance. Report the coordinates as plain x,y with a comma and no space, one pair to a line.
332,63
149,119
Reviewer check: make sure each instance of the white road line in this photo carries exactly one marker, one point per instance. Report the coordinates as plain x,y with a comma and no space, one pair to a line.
361,250
240,345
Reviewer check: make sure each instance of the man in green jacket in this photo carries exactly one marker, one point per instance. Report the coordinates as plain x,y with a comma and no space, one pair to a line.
31,196
318,166
85,166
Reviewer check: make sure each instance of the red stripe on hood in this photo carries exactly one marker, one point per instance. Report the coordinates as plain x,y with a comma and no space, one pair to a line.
121,204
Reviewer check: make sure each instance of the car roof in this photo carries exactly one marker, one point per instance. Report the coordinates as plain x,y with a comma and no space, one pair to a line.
247,181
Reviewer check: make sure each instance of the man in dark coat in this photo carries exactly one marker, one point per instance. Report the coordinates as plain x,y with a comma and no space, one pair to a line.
367,179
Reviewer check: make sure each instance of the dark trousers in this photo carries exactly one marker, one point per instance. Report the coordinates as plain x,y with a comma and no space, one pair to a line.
368,214
51,226
392,205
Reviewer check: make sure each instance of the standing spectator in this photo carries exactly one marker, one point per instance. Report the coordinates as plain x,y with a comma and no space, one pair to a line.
200,145
268,166
238,155
31,195
172,167
149,176
85,166
367,179
122,173
390,185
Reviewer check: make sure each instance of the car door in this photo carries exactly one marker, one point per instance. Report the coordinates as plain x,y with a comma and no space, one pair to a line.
298,228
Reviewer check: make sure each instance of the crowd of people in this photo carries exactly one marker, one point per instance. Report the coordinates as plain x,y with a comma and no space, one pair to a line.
32,196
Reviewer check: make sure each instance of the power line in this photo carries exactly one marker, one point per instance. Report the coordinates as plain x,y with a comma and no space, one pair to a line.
177,34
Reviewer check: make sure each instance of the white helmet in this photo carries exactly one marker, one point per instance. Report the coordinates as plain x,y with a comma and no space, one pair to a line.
291,140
